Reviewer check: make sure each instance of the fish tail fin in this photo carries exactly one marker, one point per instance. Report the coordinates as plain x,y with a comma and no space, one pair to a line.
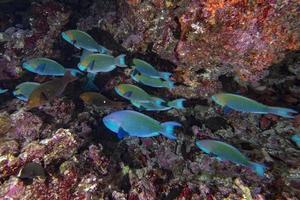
283,112
168,129
90,85
258,168
170,84
120,60
165,75
69,77
177,103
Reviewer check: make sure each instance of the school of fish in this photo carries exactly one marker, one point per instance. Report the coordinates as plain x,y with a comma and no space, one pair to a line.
96,59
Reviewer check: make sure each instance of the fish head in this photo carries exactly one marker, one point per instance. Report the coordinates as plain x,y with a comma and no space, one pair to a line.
121,89
111,123
69,37
30,65
203,145
219,99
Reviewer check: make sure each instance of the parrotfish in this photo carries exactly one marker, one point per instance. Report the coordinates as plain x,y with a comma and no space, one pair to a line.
82,40
94,98
225,151
148,70
24,90
48,91
243,104
141,99
153,82
296,139
132,123
44,66
95,63
3,90
162,106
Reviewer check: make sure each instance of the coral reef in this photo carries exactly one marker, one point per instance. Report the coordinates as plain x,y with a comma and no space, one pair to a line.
246,47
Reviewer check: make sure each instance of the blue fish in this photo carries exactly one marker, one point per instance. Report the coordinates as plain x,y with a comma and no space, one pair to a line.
148,70
95,63
296,139
132,123
227,152
44,66
152,82
82,40
159,105
3,90
243,104
141,99
24,90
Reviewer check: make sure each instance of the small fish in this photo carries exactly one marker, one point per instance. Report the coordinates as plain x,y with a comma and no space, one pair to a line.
148,70
95,63
132,123
24,90
141,99
153,82
32,170
82,40
3,90
296,139
133,93
44,66
227,152
94,98
243,104
48,91
162,106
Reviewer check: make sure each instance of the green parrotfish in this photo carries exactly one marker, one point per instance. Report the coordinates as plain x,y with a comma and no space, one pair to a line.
225,151
82,40
95,63
24,90
150,81
148,70
141,99
244,104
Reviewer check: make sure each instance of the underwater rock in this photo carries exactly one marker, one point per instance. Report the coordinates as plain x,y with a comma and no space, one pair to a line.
26,126
12,189
99,161
61,146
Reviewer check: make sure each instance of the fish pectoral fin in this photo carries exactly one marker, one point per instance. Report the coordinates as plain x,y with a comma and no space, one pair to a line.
44,96
41,68
128,94
122,133
227,110
91,65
